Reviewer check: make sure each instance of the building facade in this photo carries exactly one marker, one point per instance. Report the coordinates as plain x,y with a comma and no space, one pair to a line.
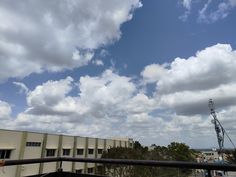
28,145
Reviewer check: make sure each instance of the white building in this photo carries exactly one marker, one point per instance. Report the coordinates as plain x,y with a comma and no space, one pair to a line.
28,145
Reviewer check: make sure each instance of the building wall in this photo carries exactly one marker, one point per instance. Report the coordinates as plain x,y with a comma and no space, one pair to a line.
31,151
52,143
67,143
109,144
80,144
28,145
10,140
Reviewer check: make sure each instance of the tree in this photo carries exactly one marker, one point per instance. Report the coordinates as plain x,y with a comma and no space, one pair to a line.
232,156
180,152
174,151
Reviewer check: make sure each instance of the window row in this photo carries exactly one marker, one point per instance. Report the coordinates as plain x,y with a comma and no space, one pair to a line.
67,152
34,144
5,153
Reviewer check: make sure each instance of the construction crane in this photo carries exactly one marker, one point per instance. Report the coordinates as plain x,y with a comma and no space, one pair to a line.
220,131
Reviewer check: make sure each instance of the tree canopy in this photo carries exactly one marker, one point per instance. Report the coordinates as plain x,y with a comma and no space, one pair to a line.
174,151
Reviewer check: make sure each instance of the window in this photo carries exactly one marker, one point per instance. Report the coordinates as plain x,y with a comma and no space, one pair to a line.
50,152
80,151
100,151
90,170
90,151
79,171
5,154
66,152
34,144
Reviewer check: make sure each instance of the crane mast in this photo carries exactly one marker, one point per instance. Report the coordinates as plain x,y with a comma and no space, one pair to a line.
220,132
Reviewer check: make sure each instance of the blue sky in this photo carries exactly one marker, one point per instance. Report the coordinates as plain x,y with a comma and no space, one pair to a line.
142,69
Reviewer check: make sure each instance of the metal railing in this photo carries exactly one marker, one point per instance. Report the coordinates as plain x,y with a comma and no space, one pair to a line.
170,164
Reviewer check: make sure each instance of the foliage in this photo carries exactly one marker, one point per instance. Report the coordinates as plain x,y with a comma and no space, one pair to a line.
232,156
174,151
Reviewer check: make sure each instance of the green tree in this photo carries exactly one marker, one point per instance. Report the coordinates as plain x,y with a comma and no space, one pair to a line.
180,152
232,156
174,151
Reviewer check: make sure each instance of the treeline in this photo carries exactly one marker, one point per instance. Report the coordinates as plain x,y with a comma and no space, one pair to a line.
231,156
173,152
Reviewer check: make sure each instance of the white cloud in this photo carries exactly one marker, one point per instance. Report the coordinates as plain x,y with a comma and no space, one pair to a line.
152,73
113,105
98,62
100,99
200,72
22,86
223,10
49,35
44,98
5,111
189,83
183,91
210,12
5,116
187,4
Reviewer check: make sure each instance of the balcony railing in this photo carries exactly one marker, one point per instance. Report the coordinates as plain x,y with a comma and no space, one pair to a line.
208,167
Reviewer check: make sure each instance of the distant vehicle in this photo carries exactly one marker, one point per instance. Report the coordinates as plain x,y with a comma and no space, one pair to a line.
220,174
217,174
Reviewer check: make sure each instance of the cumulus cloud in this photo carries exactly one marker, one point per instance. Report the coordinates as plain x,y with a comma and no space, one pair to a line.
188,83
183,91
111,104
5,110
201,71
152,73
5,116
43,99
49,35
222,11
102,101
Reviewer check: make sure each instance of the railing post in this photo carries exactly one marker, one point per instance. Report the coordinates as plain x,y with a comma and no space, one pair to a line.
60,166
209,173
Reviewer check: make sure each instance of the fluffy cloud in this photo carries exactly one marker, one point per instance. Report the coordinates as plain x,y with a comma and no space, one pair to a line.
5,110
5,116
102,101
152,73
185,86
114,105
45,97
188,83
222,11
49,35
201,72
